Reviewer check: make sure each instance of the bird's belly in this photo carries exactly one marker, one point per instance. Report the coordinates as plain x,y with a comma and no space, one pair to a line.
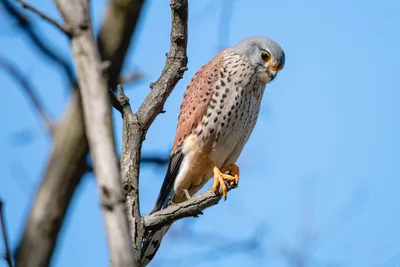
229,139
233,135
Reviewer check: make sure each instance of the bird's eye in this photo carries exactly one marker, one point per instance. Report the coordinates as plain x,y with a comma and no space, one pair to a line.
265,56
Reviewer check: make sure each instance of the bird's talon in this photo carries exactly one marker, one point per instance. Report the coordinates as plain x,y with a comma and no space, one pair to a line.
222,179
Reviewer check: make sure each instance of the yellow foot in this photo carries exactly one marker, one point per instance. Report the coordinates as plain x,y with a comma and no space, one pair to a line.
220,177
233,171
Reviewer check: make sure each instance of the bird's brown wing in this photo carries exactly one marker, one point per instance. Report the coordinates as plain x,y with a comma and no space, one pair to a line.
194,105
196,99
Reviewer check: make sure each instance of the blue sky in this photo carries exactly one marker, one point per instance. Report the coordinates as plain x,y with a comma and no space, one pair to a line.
322,160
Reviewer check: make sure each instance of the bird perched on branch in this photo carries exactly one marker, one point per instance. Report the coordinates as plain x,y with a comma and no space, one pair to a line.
218,113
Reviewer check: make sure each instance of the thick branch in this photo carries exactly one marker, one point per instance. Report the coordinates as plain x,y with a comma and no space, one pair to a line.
67,161
98,125
7,254
191,207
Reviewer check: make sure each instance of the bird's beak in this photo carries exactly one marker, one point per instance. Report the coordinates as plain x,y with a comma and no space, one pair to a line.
272,74
273,70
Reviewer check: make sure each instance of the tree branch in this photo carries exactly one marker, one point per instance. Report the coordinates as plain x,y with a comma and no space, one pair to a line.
130,161
191,207
12,70
45,17
7,254
136,125
38,41
67,161
174,68
98,125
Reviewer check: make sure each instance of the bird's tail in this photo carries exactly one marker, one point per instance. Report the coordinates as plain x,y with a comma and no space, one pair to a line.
151,245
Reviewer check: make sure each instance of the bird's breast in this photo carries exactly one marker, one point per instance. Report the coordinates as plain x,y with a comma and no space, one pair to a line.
230,117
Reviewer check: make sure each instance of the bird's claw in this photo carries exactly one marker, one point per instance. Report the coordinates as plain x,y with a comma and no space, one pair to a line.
220,177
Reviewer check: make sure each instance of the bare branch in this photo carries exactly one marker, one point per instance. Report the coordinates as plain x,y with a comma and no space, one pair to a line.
136,125
7,254
174,68
14,72
63,173
65,168
191,207
38,41
98,121
45,17
130,161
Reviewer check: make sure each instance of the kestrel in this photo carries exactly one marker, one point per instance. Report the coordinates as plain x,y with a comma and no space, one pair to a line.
218,113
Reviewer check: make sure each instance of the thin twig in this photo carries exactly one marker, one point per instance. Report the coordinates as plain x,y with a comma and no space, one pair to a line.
14,72
62,28
7,254
38,40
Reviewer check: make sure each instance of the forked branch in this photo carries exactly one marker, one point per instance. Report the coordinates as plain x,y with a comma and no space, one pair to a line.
137,124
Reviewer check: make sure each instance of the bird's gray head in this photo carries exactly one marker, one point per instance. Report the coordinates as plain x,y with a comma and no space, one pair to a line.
265,54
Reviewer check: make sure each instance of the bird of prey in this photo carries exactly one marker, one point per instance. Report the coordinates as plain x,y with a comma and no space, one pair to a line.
218,113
